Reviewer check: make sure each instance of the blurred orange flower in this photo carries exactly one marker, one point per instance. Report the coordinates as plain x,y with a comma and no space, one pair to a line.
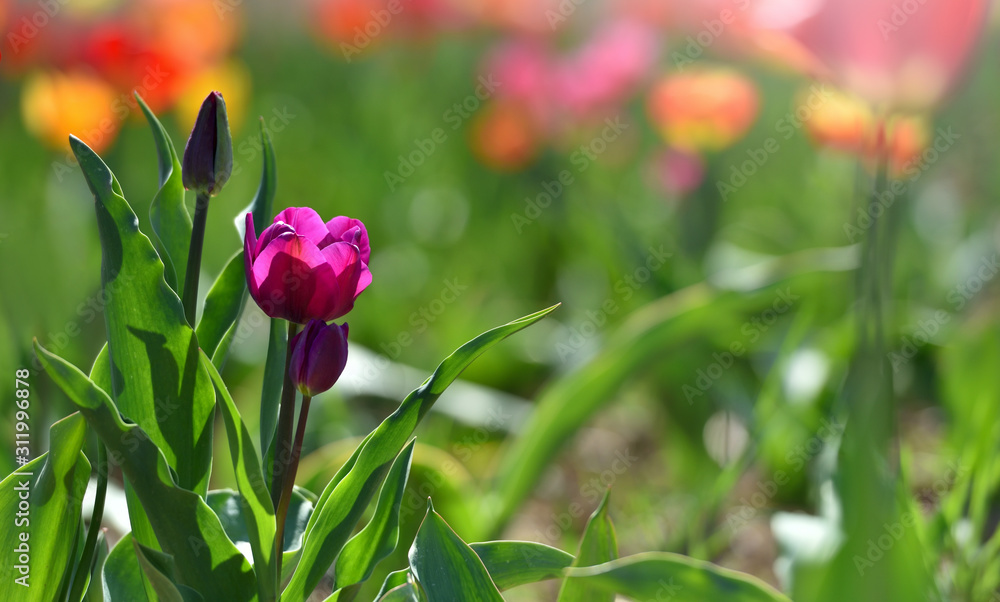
847,123
703,109
232,79
900,54
55,105
503,136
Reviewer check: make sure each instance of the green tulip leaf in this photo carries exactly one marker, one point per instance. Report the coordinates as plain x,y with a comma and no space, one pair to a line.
407,592
666,576
344,500
168,214
41,502
160,574
598,545
258,513
392,581
185,527
261,205
274,379
379,537
121,578
514,563
156,378
95,585
446,567
222,309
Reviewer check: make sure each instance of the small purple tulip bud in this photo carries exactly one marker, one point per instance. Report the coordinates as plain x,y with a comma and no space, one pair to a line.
208,155
319,354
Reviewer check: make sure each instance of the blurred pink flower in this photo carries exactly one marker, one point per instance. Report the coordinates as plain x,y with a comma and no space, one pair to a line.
607,69
678,172
901,54
524,68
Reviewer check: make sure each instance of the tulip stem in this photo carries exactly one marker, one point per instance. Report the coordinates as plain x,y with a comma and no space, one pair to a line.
286,415
190,290
289,482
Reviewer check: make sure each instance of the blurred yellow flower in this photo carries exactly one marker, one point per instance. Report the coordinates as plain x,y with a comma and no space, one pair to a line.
231,78
55,105
705,109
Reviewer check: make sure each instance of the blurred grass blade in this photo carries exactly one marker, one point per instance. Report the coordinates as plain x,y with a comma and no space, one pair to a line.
514,563
122,577
55,495
168,215
665,576
156,378
598,545
258,513
378,539
446,567
185,527
160,574
222,309
344,500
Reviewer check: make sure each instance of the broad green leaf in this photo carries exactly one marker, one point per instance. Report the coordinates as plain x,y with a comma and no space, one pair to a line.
222,309
122,576
168,215
274,378
42,501
228,506
142,530
392,581
666,576
446,567
258,513
185,527
157,380
514,563
344,500
379,537
598,545
407,592
160,574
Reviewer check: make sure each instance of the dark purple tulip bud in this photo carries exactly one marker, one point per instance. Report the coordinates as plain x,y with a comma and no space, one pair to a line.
319,354
208,155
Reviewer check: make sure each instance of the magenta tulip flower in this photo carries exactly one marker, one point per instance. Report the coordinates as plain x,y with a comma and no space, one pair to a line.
319,354
303,269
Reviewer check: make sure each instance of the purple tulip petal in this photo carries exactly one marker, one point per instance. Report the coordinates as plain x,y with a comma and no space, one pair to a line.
307,223
339,228
288,273
270,233
364,279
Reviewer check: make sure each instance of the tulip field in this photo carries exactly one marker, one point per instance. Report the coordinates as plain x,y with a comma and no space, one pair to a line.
484,300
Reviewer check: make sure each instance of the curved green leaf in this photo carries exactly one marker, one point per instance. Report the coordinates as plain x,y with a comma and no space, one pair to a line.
392,581
514,563
665,576
160,574
168,215
344,500
121,577
598,545
407,592
95,584
156,378
185,527
258,513
446,567
379,537
42,502
223,306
